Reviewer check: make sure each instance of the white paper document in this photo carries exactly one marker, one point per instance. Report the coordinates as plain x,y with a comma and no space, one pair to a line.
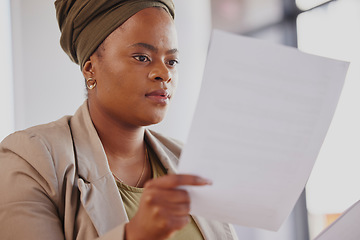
346,227
262,115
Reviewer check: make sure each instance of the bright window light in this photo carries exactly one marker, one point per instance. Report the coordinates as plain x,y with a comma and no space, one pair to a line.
308,4
333,186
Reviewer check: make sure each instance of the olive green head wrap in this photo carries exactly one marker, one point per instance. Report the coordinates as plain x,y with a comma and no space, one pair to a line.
84,24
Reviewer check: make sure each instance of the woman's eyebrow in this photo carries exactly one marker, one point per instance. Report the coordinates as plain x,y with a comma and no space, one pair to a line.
172,51
153,48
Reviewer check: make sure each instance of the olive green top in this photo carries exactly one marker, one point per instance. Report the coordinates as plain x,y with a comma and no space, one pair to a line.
131,198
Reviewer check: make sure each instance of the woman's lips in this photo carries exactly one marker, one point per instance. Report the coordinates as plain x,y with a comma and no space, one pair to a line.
158,96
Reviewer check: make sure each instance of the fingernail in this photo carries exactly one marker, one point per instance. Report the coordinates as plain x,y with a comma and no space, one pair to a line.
204,181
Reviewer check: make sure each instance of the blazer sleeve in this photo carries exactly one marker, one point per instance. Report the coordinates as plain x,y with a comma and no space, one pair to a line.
29,191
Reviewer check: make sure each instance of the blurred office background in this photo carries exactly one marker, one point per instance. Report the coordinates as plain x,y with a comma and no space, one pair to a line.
40,84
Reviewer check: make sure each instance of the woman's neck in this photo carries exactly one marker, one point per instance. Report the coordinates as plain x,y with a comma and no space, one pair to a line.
119,140
125,148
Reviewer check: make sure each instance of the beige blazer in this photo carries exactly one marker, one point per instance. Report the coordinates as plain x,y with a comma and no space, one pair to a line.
55,183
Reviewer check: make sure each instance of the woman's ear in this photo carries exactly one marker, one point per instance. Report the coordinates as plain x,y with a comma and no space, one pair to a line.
88,71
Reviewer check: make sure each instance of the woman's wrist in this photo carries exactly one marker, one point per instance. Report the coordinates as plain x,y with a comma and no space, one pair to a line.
132,233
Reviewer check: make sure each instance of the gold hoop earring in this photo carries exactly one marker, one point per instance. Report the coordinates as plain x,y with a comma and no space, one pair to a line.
89,85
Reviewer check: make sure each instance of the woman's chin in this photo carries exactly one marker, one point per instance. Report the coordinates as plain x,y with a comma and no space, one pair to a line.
154,119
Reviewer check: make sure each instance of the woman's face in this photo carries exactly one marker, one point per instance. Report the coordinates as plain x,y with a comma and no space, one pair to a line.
135,70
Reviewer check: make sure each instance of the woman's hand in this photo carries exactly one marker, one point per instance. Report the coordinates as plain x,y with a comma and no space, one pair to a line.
163,208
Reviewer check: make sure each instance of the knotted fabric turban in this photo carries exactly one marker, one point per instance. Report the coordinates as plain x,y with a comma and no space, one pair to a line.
84,24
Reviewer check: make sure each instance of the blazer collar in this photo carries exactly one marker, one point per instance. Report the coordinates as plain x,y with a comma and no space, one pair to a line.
168,159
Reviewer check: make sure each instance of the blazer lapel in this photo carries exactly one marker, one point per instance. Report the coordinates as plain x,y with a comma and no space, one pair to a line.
102,203
99,194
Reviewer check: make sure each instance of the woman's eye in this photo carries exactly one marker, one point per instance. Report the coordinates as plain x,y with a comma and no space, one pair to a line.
173,62
142,58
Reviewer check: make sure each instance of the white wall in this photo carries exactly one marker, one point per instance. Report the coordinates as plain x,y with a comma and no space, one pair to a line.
6,87
47,84
333,186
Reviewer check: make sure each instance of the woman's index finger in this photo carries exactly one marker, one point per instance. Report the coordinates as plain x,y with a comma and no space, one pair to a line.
176,180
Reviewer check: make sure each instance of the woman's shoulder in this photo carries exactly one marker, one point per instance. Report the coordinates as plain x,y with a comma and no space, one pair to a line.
44,133
47,148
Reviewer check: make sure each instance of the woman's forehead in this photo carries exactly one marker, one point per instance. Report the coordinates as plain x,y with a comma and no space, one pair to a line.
154,18
151,26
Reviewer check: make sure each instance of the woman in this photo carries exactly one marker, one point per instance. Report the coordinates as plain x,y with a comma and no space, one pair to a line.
100,173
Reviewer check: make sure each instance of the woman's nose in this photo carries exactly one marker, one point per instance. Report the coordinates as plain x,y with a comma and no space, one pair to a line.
160,72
